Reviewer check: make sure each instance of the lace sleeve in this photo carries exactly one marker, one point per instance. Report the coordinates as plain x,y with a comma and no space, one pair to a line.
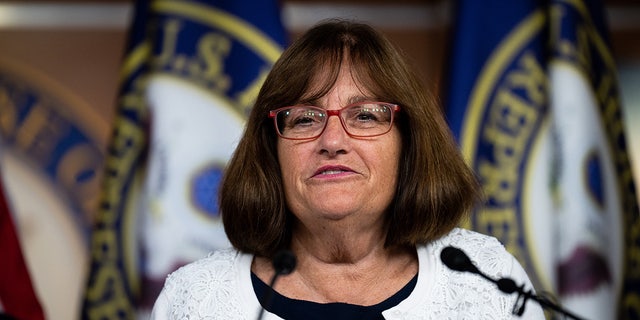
475,297
205,289
160,309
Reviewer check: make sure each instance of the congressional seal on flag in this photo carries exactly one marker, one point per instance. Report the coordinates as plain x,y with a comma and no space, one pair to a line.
208,66
192,71
542,127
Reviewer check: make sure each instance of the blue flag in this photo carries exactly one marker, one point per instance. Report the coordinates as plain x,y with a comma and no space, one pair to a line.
189,78
532,96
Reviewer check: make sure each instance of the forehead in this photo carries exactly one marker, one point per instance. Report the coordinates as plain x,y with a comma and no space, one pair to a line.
345,78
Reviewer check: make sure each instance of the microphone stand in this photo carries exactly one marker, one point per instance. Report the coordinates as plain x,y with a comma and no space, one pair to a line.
266,299
507,285
456,259
284,262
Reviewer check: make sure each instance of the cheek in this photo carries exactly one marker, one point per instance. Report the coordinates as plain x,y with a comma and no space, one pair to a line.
389,166
391,162
290,164
282,159
391,152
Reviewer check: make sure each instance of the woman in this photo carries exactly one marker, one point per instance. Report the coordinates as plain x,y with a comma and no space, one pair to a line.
365,200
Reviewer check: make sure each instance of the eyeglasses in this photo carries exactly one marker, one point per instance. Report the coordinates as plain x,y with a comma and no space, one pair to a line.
362,119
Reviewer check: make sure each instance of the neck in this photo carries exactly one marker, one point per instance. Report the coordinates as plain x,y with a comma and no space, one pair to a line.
343,263
360,275
338,243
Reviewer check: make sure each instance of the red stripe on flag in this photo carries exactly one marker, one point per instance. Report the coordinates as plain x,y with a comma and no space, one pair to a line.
16,291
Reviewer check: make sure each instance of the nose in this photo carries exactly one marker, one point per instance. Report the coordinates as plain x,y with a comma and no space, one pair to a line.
334,139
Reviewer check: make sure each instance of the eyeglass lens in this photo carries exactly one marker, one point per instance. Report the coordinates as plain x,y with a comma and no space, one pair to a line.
368,119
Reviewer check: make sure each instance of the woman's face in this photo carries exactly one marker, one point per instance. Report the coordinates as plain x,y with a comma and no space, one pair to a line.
336,176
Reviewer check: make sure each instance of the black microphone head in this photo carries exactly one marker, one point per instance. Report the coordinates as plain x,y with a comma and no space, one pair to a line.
284,262
456,259
507,285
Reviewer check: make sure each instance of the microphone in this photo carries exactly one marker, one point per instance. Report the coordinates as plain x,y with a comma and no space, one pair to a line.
284,262
456,259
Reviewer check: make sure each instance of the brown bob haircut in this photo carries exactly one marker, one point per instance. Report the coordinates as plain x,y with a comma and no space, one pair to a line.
435,188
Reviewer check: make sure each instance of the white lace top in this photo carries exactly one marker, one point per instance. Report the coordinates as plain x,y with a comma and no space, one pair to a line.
219,286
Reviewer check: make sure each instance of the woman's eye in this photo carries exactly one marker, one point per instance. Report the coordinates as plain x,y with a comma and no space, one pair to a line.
302,121
366,116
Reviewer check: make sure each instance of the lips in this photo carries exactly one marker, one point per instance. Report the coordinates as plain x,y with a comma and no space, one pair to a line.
332,171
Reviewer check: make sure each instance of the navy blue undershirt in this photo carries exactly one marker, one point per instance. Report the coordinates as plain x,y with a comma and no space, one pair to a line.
287,308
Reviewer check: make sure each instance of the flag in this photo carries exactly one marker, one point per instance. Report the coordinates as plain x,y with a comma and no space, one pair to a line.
532,97
189,78
18,298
